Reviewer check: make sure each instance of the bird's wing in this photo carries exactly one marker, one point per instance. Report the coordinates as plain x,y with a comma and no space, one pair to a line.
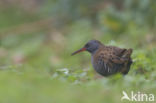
121,64
112,55
119,51
117,60
109,64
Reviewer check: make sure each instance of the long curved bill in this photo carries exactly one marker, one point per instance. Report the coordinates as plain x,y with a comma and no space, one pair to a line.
78,51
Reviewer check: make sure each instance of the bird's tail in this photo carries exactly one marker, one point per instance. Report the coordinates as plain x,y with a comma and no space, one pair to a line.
128,53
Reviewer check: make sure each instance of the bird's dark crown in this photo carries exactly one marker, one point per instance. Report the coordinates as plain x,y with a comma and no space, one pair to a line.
92,46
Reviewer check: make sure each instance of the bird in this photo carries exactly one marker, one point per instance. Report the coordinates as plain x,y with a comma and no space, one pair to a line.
108,60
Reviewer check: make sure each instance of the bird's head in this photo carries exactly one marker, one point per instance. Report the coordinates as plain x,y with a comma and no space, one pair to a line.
91,47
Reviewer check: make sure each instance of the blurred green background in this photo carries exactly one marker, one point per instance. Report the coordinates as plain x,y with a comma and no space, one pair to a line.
37,38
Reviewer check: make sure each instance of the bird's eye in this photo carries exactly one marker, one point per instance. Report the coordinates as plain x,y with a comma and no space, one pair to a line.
87,45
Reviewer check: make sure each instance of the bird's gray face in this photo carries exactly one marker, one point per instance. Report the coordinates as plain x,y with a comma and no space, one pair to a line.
91,47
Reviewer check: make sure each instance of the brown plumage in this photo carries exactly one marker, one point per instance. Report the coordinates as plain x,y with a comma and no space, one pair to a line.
108,60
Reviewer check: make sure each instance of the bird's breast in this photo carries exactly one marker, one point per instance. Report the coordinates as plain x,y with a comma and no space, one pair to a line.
99,66
102,66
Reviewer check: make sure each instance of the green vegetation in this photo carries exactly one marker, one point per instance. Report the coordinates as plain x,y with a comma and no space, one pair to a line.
38,37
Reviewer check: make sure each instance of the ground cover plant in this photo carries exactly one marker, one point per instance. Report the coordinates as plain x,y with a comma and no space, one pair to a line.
38,37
